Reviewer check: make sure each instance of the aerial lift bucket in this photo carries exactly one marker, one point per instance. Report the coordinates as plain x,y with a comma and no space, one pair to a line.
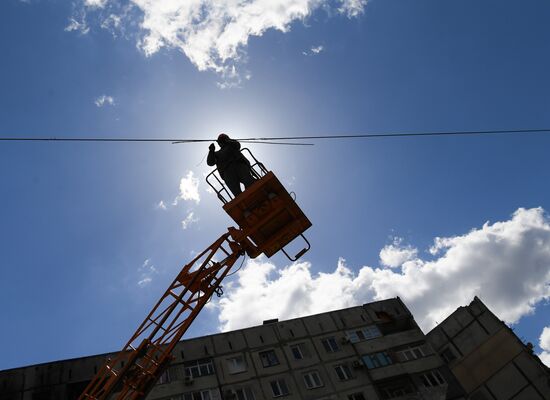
267,216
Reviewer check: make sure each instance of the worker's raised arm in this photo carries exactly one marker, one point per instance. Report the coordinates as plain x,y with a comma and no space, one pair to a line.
211,159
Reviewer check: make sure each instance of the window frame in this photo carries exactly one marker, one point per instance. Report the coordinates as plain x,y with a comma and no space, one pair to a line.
412,350
232,367
193,395
346,372
164,378
246,393
202,365
280,388
367,332
298,347
315,379
435,375
330,344
271,361
377,360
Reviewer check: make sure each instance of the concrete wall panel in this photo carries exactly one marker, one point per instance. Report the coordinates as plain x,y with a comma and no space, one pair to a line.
528,394
506,382
536,372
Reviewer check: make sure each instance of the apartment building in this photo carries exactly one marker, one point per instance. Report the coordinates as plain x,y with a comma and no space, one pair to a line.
369,352
487,358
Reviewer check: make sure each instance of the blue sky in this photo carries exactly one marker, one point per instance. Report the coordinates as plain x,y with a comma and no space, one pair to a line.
87,250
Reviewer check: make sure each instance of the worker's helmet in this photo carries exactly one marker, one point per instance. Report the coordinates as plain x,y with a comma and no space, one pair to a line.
222,138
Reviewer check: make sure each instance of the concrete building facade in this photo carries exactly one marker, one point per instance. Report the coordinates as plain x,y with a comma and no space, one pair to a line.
487,358
369,352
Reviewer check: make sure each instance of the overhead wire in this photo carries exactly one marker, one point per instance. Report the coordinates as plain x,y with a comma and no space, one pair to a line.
276,140
404,134
146,140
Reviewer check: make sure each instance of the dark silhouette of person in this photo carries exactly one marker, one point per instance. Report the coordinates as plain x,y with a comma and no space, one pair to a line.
233,166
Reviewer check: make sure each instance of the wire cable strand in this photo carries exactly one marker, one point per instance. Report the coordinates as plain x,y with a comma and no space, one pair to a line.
276,139
405,134
150,140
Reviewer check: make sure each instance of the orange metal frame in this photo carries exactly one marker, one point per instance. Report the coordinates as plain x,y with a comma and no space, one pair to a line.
132,373
267,216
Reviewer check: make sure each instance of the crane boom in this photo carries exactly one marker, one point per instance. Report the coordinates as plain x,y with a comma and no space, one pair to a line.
268,220
132,373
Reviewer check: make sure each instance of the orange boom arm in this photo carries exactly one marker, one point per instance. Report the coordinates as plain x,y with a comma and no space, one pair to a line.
134,371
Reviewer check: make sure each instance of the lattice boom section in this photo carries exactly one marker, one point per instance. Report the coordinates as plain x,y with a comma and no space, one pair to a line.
132,373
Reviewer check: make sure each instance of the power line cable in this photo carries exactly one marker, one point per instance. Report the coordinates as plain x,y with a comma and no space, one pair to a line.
404,134
276,139
143,140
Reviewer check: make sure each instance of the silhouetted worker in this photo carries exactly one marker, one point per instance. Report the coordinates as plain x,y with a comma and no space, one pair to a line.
233,166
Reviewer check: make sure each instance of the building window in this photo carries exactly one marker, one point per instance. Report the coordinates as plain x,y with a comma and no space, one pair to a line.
243,393
377,360
343,372
173,373
412,353
200,395
432,378
269,358
312,380
279,388
366,333
356,396
236,364
448,355
298,351
164,378
330,345
199,368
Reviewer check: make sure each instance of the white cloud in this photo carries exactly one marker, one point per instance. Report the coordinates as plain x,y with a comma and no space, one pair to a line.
76,25
95,3
261,292
161,205
212,34
146,271
353,8
506,263
317,49
189,189
104,100
395,255
544,343
144,282
313,50
189,220
112,23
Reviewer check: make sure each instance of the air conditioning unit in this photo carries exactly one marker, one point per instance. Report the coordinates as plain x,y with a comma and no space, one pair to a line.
188,380
345,340
229,395
357,364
